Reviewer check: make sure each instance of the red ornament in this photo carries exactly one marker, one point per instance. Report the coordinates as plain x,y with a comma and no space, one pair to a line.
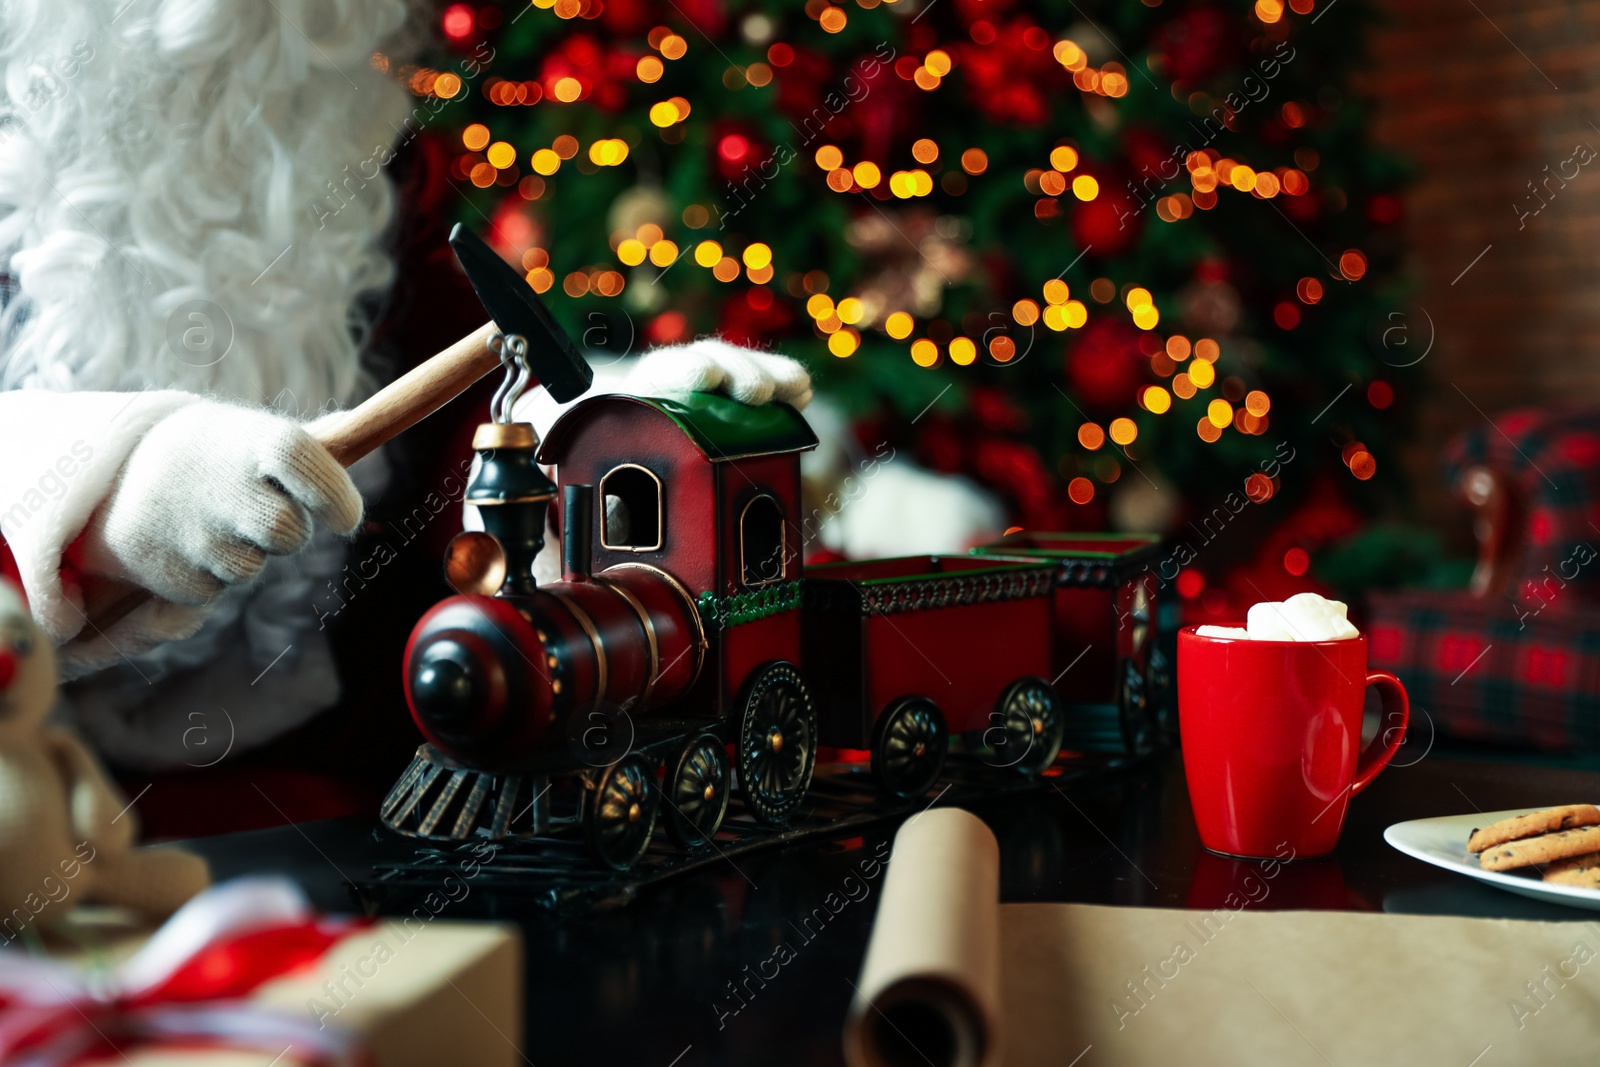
995,410
1109,223
745,323
1104,366
978,10
885,115
513,230
1198,43
667,328
803,84
1150,156
710,17
1016,469
1008,79
623,18
458,22
740,156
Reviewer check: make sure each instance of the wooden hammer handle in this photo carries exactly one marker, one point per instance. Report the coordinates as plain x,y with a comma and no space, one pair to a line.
391,410
410,398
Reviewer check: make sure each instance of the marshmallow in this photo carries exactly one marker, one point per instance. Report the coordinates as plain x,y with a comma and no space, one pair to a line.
1234,633
1266,622
1303,617
1311,618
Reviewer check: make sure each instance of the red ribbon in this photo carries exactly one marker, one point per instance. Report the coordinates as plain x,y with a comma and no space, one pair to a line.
200,1005
236,966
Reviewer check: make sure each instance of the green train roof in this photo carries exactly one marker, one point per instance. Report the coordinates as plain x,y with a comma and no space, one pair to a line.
720,427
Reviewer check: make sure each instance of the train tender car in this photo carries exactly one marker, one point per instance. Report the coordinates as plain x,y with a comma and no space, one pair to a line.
1106,626
914,649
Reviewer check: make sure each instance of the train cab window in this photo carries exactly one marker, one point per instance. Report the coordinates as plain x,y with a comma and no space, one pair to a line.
631,496
761,541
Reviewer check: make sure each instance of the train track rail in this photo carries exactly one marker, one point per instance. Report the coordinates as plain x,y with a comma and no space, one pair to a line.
554,871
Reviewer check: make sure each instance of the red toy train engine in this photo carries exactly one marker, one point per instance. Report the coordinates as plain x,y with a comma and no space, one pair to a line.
683,627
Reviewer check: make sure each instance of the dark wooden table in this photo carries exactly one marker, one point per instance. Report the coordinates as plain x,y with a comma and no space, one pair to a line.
688,974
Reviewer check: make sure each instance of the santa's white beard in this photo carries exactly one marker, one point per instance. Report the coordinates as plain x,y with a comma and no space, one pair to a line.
167,159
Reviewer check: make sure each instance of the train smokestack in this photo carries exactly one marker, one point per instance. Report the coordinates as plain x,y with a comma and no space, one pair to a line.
512,494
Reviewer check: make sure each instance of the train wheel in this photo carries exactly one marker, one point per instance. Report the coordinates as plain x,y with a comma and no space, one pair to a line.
619,812
909,743
697,791
777,742
1031,726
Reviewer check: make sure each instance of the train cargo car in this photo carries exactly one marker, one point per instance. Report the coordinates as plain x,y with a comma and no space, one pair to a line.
908,651
1106,621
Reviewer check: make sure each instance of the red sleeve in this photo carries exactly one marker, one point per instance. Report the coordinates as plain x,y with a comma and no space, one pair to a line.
71,574
8,565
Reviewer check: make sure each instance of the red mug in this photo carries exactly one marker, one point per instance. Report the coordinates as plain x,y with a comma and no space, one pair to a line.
1270,735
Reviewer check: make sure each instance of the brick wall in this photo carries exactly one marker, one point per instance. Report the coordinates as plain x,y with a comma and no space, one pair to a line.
1482,98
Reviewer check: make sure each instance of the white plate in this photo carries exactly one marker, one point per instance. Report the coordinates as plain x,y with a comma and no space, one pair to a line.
1443,843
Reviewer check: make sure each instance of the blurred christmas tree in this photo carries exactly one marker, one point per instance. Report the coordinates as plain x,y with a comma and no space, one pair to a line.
1119,261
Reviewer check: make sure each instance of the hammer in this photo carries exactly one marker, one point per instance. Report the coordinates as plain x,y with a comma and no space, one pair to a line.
514,309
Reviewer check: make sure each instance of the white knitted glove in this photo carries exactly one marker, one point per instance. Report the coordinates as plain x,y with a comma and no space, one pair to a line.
208,493
710,365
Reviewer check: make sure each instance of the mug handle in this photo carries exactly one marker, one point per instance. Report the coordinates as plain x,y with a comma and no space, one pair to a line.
1383,747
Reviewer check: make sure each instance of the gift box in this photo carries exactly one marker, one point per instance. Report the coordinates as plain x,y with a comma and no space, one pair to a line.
247,972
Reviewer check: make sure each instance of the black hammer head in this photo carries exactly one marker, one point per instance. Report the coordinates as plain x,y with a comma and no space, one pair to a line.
517,309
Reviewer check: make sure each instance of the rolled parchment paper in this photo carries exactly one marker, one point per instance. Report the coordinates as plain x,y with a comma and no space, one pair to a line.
929,992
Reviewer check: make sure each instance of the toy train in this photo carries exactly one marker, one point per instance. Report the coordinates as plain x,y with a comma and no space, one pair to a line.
686,648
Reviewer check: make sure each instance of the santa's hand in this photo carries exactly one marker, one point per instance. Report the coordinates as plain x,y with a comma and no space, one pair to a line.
209,493
710,365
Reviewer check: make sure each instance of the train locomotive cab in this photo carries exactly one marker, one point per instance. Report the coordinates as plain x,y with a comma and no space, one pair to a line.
706,490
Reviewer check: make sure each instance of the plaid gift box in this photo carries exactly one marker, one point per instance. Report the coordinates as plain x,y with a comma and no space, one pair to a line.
1552,456
1492,669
